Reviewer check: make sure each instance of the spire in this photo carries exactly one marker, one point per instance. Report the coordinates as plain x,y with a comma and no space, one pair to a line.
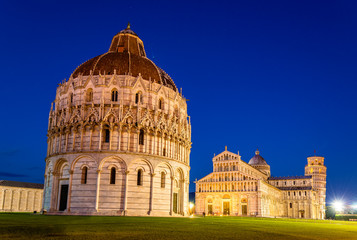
225,148
257,152
128,26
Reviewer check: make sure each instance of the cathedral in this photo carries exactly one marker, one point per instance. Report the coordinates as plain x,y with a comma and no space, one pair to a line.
238,188
119,138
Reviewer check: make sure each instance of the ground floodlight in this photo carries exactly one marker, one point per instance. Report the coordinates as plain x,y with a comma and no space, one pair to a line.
338,205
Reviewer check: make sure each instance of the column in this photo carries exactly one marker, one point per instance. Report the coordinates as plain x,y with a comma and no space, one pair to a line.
66,140
82,133
69,191
2,199
152,175
100,137
27,201
146,136
55,143
154,143
160,148
34,201
110,137
90,138
119,137
126,192
128,140
18,201
97,193
11,199
74,139
171,195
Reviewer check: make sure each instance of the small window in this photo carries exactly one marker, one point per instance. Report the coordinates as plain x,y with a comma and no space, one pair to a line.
137,97
84,175
71,98
163,177
114,96
288,193
294,182
141,137
107,135
277,183
291,205
164,152
89,95
112,175
305,193
139,180
294,193
160,104
285,183
299,193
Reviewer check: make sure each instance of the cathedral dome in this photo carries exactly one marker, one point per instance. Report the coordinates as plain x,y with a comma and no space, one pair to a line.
126,56
257,160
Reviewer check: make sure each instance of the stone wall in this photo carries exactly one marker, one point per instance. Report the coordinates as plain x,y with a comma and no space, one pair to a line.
15,199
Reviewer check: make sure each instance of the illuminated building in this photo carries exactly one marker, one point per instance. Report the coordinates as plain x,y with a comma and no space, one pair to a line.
246,189
119,138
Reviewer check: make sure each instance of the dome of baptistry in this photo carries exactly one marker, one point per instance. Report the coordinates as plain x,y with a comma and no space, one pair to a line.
119,138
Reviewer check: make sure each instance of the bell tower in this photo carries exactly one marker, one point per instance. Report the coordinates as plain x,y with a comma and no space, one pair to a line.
315,167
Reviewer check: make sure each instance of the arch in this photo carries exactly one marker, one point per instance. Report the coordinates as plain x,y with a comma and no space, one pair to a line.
167,165
112,166
138,168
59,165
179,172
226,196
80,157
143,160
121,161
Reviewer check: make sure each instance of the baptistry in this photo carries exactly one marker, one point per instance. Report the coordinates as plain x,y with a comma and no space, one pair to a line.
119,138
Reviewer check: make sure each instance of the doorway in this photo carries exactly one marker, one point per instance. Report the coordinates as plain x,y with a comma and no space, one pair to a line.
63,197
175,203
244,210
226,208
210,209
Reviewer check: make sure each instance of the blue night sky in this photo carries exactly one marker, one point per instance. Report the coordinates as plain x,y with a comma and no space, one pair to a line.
278,75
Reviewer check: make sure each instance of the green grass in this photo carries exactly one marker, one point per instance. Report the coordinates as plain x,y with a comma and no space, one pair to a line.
28,226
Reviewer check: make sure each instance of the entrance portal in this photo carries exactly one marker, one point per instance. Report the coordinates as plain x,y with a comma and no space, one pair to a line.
175,203
226,208
210,209
244,210
63,197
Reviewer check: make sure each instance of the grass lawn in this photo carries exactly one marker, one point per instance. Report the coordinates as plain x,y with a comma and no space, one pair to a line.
28,226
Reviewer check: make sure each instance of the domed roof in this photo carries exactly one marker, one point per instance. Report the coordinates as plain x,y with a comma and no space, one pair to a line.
126,56
257,159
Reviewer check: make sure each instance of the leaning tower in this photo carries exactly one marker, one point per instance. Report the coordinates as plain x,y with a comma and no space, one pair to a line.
119,138
315,167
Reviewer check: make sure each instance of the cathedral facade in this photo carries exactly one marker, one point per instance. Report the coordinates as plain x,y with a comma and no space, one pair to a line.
238,188
119,138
